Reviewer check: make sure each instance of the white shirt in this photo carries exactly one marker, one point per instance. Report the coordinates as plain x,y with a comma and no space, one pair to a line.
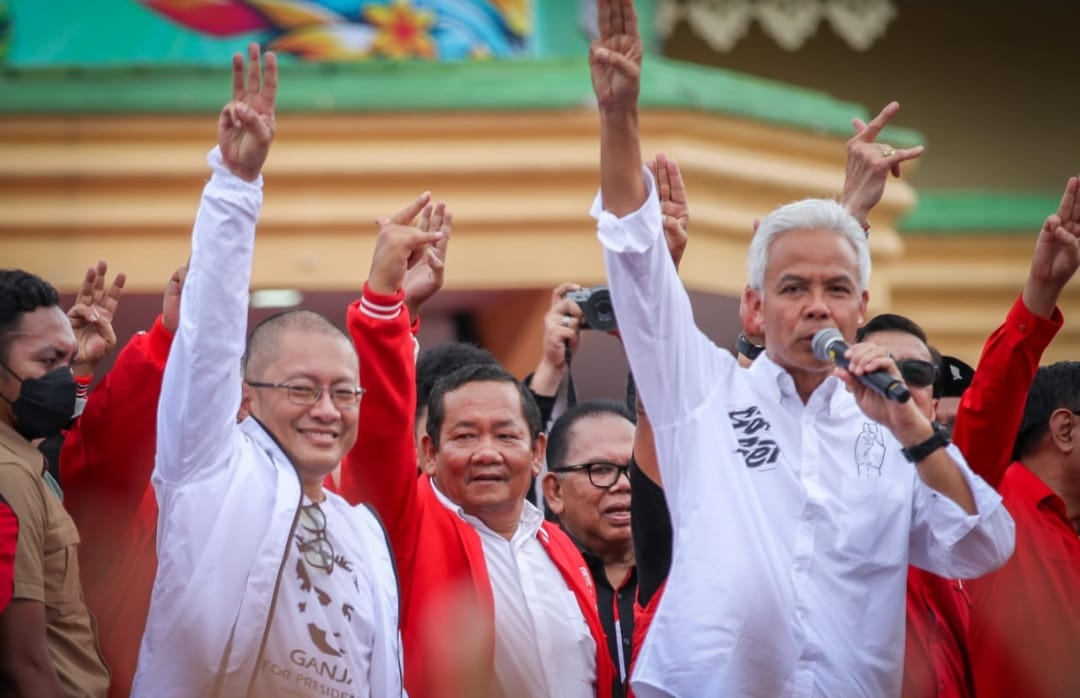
321,635
543,646
793,524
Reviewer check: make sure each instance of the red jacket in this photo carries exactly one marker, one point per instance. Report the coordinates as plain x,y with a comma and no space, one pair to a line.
105,467
439,556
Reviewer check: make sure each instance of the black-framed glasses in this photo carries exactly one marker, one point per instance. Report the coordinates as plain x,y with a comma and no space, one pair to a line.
317,551
917,373
345,398
601,473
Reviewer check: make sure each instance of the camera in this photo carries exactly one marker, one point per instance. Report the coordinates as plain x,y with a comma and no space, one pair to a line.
596,305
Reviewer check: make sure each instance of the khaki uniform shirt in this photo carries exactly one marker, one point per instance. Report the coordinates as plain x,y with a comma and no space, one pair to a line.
47,567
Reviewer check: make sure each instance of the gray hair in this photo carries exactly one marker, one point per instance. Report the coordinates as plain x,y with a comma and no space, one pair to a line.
808,214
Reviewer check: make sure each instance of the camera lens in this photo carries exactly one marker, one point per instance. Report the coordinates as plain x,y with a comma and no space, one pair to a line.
604,312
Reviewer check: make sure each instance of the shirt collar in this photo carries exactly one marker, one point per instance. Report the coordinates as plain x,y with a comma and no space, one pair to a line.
1025,485
780,385
528,526
20,448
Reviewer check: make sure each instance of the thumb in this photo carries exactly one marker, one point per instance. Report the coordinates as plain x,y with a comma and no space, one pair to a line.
253,121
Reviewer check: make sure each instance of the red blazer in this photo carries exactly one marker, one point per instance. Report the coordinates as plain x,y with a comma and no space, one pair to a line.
438,555
105,468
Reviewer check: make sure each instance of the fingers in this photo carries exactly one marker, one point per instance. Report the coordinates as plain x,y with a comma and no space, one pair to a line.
663,179
270,79
406,215
866,357
603,17
879,122
253,121
112,296
618,61
859,125
560,291
253,69
425,219
1067,207
903,155
238,77
443,242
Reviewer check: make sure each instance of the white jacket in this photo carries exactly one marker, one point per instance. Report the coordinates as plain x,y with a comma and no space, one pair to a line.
229,498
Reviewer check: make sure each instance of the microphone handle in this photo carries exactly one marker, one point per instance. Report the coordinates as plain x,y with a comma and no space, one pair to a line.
880,381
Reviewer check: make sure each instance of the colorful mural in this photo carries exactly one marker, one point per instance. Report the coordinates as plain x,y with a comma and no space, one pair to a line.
320,30
139,32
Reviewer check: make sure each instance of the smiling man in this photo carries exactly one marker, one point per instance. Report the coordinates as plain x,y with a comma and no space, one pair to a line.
266,584
588,487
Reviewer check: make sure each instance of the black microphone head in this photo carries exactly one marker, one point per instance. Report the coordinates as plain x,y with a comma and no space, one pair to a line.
823,339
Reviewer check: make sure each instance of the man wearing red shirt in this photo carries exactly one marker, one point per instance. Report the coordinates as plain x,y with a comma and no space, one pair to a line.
9,533
1025,620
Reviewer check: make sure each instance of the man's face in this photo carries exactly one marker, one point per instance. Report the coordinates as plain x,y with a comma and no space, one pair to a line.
486,458
599,518
902,345
811,282
315,437
42,342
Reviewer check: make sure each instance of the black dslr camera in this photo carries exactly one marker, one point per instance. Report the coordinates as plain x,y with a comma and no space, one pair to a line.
595,303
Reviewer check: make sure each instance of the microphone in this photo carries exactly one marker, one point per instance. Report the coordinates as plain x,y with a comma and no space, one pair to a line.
829,345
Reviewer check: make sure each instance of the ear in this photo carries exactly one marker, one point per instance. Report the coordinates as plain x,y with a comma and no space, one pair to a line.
1063,432
247,395
933,408
754,300
539,452
553,493
428,451
864,303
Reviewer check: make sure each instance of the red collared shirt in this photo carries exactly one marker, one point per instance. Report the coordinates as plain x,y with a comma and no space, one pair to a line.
1025,618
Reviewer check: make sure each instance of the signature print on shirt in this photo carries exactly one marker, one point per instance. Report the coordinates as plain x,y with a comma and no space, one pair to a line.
754,435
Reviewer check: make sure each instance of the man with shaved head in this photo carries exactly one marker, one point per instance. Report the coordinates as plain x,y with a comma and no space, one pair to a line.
267,584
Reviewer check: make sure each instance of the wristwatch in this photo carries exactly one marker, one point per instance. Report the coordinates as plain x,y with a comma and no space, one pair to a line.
747,348
939,439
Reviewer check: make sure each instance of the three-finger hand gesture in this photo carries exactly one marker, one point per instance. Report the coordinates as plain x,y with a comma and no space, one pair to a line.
91,318
615,57
426,277
1057,253
673,204
400,246
869,164
246,125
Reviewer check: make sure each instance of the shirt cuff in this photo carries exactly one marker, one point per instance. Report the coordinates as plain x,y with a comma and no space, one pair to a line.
635,232
158,341
381,306
225,179
953,523
1031,327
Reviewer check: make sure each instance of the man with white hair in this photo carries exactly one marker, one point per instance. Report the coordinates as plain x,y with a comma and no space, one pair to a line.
796,505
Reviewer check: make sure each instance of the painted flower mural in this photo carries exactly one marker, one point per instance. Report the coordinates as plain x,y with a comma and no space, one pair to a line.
332,30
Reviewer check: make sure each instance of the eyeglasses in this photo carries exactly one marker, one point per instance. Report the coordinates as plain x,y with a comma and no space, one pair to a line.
317,551
299,394
917,373
601,473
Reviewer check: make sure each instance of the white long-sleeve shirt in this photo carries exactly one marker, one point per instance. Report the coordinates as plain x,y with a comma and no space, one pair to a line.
793,523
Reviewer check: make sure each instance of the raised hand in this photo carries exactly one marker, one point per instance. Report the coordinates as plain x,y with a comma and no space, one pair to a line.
91,318
246,125
615,57
562,327
673,204
869,164
170,304
426,277
400,246
1057,253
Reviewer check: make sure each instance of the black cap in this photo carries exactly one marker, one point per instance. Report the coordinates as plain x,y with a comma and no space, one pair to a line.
953,378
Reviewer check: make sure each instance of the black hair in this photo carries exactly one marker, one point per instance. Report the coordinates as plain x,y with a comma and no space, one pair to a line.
558,445
21,292
891,322
1055,386
442,360
264,337
478,373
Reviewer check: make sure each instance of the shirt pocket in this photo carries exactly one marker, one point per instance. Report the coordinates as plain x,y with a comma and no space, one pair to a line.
873,524
63,596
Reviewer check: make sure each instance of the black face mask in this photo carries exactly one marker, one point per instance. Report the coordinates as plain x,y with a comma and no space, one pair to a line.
45,405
